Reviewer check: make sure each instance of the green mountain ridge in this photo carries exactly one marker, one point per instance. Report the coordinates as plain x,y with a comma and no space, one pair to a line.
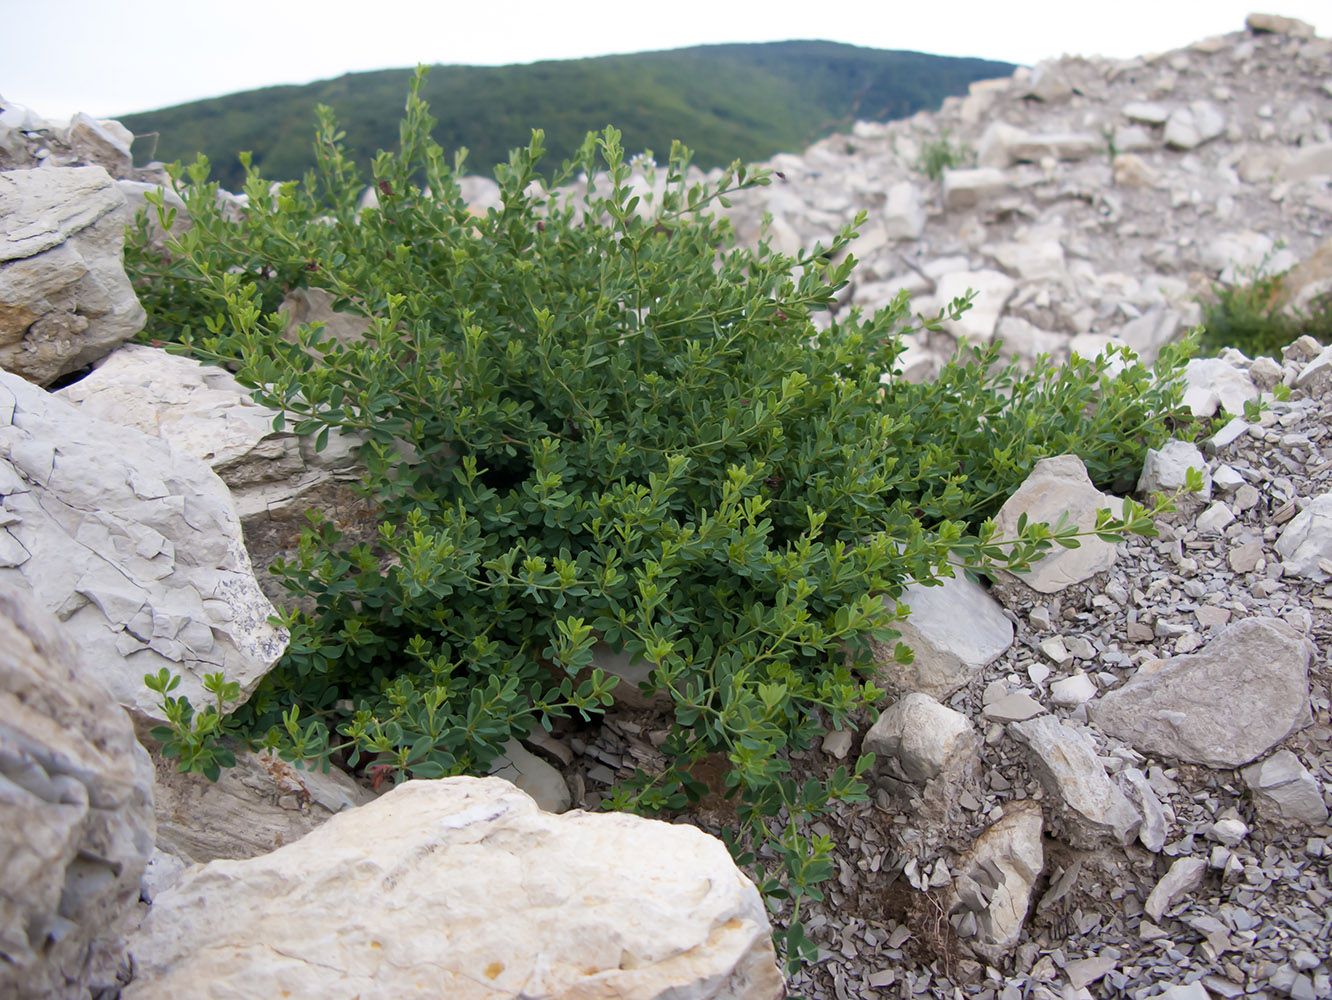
726,102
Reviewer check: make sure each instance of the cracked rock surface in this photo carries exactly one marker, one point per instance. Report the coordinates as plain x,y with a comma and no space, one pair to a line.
134,545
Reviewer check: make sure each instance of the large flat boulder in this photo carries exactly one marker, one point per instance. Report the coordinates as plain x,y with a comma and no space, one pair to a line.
135,545
65,300
463,888
1223,706
76,812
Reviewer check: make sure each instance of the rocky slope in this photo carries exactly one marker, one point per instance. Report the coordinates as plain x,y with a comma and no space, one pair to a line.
1108,777
1098,198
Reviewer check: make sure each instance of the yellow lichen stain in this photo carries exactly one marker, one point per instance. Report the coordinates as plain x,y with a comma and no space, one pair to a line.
494,969
375,944
734,924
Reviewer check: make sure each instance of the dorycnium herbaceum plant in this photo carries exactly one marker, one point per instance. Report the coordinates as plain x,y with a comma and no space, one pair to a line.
588,417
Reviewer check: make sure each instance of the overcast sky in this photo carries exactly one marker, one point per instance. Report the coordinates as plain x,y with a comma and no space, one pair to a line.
109,57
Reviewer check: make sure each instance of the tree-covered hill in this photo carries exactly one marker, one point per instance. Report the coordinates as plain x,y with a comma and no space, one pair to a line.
745,101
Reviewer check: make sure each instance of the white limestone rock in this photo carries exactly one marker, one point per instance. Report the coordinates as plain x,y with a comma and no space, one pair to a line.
1031,260
995,149
632,671
104,144
1278,25
1151,331
993,290
994,879
1069,692
1064,760
1265,373
520,767
968,188
135,545
275,477
464,885
307,306
1223,706
76,812
1131,170
1054,486
203,410
1212,383
904,212
918,740
981,97
955,631
1285,791
1191,126
1015,707
1130,139
1228,830
136,198
1049,83
1166,468
1306,542
1239,257
1023,339
1309,285
480,193
1155,821
65,300
1185,875
1040,146
1147,112
1314,160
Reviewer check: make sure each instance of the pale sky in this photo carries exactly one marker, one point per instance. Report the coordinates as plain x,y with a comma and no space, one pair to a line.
112,57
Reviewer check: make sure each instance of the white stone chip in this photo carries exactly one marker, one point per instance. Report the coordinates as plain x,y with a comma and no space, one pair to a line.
1185,875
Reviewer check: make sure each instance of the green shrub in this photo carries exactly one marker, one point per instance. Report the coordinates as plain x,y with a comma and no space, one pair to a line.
1251,317
593,418
939,155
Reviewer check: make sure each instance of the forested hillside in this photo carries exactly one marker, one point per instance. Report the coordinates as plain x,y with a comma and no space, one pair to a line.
744,101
